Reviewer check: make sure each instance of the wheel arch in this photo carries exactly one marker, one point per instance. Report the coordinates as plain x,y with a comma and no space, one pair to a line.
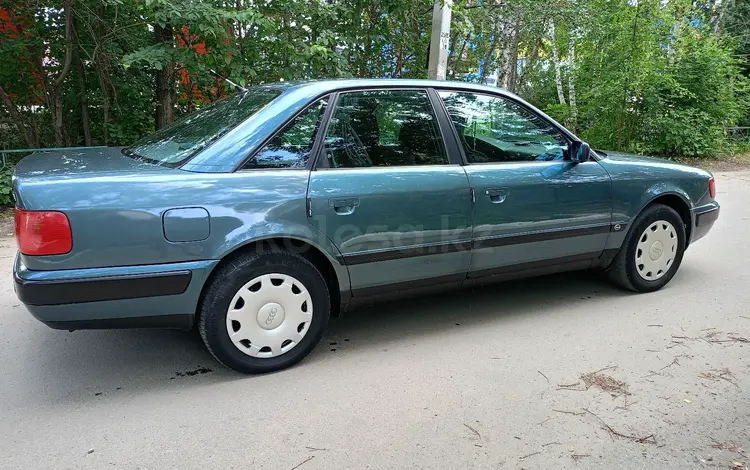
328,267
679,203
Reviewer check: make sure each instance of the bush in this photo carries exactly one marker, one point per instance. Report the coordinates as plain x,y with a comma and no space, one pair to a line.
6,193
686,108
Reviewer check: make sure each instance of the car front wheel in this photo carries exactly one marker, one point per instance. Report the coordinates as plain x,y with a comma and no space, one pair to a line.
264,311
652,250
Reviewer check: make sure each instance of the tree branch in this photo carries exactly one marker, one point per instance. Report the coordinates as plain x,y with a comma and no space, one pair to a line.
68,44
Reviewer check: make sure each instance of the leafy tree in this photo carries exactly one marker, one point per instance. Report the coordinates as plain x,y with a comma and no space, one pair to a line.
634,75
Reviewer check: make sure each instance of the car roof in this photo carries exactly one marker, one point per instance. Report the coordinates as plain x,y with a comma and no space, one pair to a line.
331,85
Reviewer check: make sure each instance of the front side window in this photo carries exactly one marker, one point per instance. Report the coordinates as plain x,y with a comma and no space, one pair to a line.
291,147
384,128
494,129
175,144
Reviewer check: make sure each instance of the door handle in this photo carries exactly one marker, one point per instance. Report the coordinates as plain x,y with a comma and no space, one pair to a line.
344,206
497,195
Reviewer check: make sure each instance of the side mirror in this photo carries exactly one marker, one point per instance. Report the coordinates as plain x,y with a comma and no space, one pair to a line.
579,152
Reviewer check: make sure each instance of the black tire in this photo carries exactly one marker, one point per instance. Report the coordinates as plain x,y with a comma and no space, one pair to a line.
227,282
624,271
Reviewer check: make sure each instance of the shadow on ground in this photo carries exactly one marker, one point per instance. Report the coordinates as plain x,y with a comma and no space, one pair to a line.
487,306
82,364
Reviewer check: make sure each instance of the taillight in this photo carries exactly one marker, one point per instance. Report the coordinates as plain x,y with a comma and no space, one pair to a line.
42,233
712,187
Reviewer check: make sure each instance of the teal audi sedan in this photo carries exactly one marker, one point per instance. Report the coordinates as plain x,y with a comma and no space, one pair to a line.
256,218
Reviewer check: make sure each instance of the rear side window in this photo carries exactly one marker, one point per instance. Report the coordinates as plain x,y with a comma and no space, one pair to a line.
384,128
494,129
291,147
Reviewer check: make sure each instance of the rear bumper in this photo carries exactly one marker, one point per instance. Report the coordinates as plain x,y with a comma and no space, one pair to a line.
156,296
705,216
134,286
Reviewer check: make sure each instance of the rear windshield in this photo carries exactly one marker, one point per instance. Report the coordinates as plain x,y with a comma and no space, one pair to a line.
176,143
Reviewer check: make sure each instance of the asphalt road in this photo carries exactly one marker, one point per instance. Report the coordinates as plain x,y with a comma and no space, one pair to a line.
484,379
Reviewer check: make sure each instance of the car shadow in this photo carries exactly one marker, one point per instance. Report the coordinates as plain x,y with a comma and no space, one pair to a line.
485,307
88,365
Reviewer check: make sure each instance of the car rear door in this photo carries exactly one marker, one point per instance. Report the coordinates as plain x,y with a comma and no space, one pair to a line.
534,208
385,192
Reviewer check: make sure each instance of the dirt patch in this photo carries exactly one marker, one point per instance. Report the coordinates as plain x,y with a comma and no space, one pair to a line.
725,163
7,222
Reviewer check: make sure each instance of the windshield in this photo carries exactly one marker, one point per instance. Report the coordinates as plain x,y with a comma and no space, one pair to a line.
181,140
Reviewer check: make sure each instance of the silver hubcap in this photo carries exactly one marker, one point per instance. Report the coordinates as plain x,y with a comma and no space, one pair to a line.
269,315
656,250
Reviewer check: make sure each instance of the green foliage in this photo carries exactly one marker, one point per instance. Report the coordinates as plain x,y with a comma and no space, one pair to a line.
649,76
736,26
135,114
657,79
559,112
6,194
686,108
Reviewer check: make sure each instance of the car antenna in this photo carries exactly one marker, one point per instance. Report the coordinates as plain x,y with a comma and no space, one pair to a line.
237,87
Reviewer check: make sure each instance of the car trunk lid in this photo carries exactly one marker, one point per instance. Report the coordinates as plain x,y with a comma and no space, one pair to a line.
105,206
68,163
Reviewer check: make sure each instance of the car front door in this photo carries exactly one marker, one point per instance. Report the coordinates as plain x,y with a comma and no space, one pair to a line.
385,192
534,208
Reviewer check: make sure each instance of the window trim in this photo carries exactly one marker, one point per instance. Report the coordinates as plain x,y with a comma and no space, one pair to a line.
452,145
321,163
282,127
565,133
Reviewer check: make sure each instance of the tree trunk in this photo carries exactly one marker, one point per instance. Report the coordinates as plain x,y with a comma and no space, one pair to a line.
82,92
102,71
189,93
511,74
502,68
239,33
556,61
399,62
626,89
400,55
720,18
27,132
57,115
106,97
488,61
451,51
165,78
488,57
85,117
459,56
571,83
57,106
364,59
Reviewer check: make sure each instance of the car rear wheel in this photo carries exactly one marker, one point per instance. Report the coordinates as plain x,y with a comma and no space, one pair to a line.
264,311
652,250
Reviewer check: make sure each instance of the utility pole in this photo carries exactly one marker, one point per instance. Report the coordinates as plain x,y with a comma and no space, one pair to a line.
441,33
